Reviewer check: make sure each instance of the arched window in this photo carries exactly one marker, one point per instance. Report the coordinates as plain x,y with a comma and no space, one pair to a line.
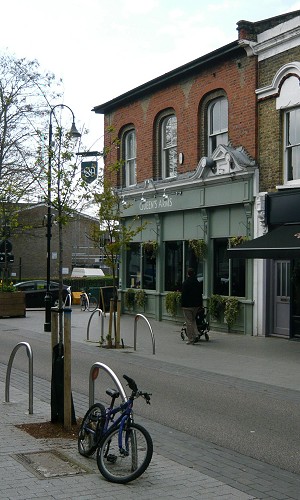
292,145
129,158
217,126
289,100
169,146
285,87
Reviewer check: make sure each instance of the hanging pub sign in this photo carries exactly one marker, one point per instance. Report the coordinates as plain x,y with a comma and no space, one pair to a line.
89,171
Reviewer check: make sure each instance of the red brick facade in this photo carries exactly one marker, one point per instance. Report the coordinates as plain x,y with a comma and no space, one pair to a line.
234,76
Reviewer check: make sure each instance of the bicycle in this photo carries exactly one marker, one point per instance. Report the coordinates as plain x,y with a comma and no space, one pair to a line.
124,448
88,302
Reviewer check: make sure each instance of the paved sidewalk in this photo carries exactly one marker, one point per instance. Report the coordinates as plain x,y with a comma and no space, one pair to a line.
164,478
175,470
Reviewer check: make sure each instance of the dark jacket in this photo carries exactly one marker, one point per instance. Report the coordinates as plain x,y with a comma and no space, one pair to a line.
191,295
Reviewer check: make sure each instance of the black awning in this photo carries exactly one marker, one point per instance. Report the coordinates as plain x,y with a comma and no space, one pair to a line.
280,243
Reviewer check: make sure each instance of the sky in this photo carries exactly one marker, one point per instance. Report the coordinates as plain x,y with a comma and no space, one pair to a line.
103,48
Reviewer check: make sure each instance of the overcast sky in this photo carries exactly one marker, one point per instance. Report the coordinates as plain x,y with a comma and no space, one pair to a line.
103,48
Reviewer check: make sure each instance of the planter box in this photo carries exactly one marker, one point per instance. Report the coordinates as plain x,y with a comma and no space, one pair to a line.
12,304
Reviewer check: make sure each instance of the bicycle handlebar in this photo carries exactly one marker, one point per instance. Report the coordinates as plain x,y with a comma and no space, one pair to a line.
135,392
131,383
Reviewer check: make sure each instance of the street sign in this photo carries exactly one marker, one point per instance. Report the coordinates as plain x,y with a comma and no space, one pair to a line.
5,246
89,171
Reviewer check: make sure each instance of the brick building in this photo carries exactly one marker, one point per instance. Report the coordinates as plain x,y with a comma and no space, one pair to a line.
277,209
29,247
191,143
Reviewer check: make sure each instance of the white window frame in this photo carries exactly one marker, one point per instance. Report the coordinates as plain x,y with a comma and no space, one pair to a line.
217,132
130,157
169,147
291,147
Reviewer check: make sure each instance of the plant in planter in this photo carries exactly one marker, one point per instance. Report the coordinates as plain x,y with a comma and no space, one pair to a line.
235,241
199,248
231,311
140,298
129,298
173,301
7,286
150,248
12,302
215,306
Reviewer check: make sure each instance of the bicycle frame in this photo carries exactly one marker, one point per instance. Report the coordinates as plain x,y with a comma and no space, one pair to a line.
126,412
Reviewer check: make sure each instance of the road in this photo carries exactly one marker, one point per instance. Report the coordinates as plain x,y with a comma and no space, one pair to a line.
257,420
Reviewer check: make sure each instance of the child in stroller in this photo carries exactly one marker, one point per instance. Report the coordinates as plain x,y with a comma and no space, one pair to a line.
202,325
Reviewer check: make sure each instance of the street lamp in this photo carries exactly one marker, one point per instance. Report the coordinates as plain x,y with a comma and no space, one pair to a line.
73,133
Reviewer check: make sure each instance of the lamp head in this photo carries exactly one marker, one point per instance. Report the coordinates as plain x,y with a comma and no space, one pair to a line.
74,132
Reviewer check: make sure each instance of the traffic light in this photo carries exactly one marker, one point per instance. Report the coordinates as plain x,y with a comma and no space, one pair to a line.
9,258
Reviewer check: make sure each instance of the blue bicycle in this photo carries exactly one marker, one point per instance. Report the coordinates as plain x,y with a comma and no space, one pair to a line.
124,448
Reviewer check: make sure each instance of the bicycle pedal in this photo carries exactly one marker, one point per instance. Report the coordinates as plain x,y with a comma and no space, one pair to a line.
111,458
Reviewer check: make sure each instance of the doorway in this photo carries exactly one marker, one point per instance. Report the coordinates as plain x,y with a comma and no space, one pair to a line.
295,299
282,297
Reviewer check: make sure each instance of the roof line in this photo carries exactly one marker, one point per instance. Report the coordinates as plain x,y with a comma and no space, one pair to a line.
167,78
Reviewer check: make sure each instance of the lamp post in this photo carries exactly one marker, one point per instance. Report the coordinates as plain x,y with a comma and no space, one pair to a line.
73,133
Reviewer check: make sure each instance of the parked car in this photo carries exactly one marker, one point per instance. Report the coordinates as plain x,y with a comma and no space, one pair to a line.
36,290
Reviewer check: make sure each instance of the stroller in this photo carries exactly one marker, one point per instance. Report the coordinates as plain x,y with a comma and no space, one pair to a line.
202,321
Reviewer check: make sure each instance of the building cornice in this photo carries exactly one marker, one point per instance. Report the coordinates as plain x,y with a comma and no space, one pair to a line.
168,78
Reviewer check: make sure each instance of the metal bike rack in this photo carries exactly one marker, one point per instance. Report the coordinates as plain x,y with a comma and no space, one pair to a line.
102,325
137,317
7,381
94,371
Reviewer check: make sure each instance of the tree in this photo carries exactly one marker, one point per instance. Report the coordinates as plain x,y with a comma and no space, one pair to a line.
25,93
112,235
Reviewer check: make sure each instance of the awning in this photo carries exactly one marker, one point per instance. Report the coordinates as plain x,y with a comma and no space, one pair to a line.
282,242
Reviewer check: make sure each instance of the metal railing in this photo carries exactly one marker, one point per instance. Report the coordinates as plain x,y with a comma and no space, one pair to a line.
8,372
94,372
137,317
101,313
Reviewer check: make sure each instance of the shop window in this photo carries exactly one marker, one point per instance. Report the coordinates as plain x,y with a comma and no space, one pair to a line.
173,265
133,266
192,261
217,123
229,274
292,144
169,146
149,270
129,158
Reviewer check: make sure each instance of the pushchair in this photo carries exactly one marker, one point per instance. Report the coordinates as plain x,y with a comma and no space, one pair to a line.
202,321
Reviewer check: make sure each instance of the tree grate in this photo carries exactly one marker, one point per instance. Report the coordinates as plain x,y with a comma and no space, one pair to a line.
49,464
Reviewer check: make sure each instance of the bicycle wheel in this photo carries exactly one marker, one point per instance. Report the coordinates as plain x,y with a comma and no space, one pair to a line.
128,463
91,429
93,304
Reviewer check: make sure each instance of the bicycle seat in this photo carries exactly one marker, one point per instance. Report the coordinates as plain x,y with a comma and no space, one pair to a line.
112,393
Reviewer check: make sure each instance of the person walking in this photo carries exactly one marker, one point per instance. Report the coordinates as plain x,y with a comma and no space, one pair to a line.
191,302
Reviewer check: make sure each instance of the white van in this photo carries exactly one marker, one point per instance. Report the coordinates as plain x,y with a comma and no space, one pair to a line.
86,272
